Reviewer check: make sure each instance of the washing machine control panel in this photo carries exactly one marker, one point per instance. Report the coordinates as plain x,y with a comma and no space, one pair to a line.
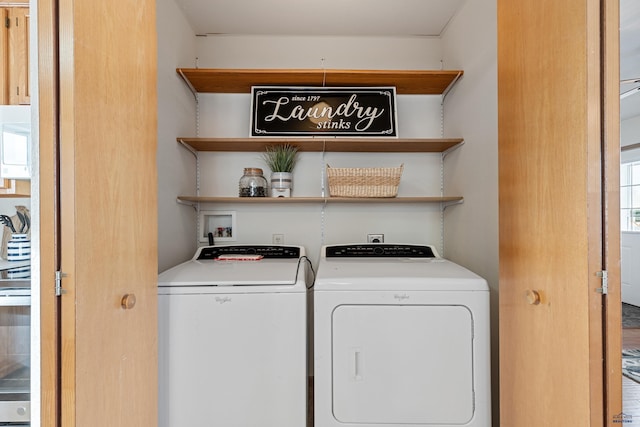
379,251
213,252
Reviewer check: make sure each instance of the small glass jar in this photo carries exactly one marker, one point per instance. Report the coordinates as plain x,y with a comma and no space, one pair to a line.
253,183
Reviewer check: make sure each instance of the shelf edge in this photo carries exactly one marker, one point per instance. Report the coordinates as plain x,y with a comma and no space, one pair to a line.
292,200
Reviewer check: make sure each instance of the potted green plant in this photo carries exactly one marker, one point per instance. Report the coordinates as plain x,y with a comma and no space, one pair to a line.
281,159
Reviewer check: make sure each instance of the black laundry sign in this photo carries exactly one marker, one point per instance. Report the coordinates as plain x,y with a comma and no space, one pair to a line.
319,111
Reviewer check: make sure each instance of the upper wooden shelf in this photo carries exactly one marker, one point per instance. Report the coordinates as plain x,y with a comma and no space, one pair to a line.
407,82
371,145
289,200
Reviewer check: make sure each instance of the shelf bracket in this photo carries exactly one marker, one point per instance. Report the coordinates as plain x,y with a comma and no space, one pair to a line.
189,85
189,148
194,205
445,205
450,149
446,91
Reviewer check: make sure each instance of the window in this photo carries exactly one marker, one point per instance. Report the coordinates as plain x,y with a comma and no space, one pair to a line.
630,196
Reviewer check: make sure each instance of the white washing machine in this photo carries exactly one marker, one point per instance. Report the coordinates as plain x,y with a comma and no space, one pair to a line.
401,337
232,338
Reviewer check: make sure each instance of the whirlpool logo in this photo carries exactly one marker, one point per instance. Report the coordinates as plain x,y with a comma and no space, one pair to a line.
400,297
222,300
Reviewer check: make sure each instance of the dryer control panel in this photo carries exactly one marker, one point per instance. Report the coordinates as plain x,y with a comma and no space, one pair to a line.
267,251
379,251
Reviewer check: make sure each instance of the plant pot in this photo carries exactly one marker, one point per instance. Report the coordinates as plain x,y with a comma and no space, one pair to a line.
281,184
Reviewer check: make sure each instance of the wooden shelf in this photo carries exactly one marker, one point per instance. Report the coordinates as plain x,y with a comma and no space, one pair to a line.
373,145
407,82
288,200
423,82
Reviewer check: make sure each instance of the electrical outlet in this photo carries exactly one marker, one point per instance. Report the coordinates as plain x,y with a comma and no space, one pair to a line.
375,238
277,239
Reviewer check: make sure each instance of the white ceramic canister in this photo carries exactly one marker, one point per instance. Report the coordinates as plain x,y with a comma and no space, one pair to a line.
19,248
281,184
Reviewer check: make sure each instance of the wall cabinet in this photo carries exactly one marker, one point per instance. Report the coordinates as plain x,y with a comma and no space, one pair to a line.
14,75
14,51
423,82
15,188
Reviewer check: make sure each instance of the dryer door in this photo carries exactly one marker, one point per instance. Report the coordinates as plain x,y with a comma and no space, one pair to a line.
404,364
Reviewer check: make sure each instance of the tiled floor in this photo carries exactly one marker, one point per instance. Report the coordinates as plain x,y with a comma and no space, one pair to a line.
630,388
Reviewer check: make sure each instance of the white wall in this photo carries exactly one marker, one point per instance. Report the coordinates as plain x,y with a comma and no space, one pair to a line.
315,225
238,51
471,112
176,117
630,241
630,131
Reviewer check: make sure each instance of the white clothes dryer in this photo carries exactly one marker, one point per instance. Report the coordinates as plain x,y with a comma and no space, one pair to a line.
401,337
233,338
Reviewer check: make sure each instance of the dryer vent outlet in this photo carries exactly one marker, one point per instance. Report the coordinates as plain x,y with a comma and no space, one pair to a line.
375,238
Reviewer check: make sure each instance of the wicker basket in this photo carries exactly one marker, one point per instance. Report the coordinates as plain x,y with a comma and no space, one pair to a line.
364,182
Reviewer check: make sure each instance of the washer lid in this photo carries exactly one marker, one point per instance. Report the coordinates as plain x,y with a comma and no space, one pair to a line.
429,274
244,271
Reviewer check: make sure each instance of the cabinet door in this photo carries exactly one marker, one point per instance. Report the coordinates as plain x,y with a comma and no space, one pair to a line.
18,59
14,51
4,55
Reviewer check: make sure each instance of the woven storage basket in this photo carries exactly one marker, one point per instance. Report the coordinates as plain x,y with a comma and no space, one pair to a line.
364,182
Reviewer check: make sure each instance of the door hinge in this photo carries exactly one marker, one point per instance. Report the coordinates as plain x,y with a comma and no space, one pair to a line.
604,276
59,290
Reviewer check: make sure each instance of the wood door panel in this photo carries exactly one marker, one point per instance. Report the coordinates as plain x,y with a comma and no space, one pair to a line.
550,213
108,213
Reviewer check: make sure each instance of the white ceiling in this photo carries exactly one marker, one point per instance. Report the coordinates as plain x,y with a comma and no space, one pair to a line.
327,17
629,55
376,18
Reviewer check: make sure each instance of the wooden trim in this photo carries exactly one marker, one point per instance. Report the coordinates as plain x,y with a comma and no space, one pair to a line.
66,203
373,145
45,189
217,80
595,208
611,141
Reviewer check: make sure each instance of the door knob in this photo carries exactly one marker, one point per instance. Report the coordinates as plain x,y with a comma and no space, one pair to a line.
533,297
128,301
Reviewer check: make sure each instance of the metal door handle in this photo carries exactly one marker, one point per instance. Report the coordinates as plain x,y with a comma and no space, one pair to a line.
128,301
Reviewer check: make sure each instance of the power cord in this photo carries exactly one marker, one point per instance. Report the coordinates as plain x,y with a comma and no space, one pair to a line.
305,258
